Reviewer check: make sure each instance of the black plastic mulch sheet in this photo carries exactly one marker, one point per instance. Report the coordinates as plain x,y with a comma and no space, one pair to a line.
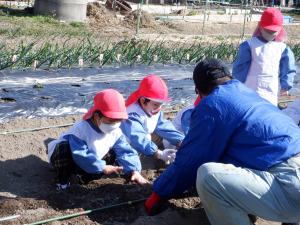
61,92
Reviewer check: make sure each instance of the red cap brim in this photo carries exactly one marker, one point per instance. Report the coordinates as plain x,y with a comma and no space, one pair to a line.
116,115
275,28
160,100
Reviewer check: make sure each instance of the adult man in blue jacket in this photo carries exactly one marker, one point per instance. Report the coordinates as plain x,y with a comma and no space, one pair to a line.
245,150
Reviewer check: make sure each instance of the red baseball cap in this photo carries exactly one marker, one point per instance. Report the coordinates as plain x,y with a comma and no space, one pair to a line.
271,19
151,87
110,103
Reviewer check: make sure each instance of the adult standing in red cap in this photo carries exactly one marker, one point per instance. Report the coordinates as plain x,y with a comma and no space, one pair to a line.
265,62
82,149
145,117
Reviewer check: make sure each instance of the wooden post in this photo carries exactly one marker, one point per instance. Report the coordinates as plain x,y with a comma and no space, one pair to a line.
139,11
245,17
204,19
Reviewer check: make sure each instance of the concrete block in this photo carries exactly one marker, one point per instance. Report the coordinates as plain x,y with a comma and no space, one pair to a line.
66,10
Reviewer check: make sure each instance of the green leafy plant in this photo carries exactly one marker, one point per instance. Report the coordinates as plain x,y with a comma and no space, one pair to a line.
126,52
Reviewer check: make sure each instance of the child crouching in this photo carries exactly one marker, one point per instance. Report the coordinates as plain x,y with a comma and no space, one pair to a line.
83,148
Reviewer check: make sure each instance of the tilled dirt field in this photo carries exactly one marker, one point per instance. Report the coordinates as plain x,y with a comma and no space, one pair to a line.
26,178
27,186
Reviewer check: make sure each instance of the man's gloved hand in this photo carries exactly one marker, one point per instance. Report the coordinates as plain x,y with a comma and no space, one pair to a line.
167,155
154,204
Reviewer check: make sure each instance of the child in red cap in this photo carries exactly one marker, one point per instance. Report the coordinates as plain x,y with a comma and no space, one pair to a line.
182,120
183,117
145,117
265,62
82,149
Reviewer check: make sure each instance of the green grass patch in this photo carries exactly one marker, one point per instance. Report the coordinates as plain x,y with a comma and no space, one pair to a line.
192,13
39,26
44,20
77,24
22,22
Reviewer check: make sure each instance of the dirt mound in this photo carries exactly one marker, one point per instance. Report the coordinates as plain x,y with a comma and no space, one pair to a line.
99,15
146,19
27,184
103,17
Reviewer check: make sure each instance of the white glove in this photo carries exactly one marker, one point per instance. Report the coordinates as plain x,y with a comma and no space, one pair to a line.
167,155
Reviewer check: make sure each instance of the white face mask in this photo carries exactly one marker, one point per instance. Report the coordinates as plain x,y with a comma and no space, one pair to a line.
107,128
268,36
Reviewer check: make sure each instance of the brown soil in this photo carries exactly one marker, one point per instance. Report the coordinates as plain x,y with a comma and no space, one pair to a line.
100,16
110,25
26,179
105,25
174,31
146,19
27,186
